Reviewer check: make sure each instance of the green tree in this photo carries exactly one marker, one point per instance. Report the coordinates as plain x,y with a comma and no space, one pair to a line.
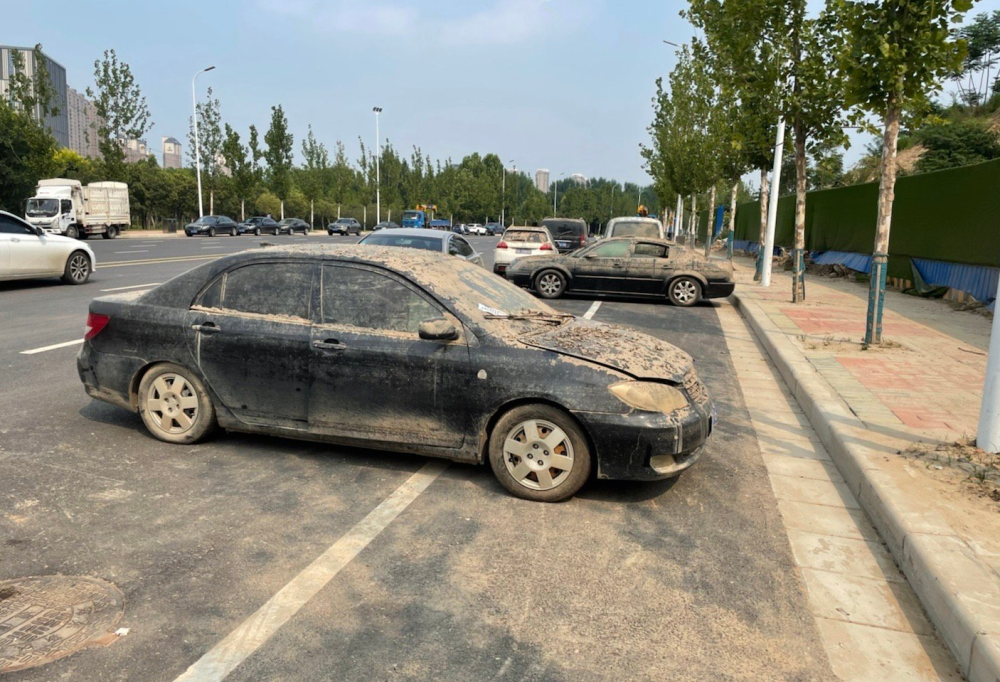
209,144
982,39
26,154
241,165
121,108
896,52
33,94
278,155
956,143
314,176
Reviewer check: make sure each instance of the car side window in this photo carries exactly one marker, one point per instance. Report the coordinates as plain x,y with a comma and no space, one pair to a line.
611,250
464,249
212,296
645,250
370,300
66,206
11,226
270,289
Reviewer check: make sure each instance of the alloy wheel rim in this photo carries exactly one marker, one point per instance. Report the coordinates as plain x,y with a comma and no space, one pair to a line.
78,267
549,284
684,291
172,404
538,454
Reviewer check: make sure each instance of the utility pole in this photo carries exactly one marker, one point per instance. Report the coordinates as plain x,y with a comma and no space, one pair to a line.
197,145
772,208
988,434
378,153
678,216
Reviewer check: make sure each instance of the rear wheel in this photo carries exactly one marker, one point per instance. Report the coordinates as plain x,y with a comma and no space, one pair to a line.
232,232
72,232
174,404
550,284
111,232
256,232
684,291
78,268
211,232
539,453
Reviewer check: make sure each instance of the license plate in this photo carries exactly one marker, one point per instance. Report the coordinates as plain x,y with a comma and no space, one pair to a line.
522,250
562,245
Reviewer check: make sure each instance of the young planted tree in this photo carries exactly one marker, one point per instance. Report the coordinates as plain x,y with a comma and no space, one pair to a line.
242,167
896,53
121,108
314,171
278,155
33,94
209,144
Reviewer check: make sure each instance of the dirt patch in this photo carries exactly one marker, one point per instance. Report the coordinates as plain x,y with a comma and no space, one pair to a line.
841,345
975,472
974,307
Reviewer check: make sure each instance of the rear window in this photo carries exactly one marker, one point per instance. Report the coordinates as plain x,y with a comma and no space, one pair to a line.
636,229
565,228
423,243
524,236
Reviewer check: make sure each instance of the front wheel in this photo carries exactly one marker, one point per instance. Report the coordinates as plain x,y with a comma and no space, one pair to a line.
684,291
550,284
78,268
538,452
211,232
232,232
72,232
256,232
174,404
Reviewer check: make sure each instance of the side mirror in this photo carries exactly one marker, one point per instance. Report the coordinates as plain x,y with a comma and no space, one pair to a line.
39,231
437,329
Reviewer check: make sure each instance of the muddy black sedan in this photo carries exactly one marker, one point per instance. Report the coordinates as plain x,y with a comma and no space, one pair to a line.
649,268
400,350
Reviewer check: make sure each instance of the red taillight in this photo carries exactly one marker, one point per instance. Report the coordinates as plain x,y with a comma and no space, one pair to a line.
95,323
502,245
583,239
546,247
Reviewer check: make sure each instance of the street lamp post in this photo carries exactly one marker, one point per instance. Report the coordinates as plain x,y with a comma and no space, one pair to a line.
555,196
638,204
378,153
197,145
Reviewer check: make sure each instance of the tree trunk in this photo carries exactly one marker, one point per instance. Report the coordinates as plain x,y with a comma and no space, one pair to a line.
732,217
710,227
282,209
763,222
211,202
312,213
694,219
798,250
243,210
679,217
886,195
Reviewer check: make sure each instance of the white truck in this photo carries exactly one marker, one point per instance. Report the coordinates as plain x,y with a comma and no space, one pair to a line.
67,207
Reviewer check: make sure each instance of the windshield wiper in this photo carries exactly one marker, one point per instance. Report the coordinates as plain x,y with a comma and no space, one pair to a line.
534,316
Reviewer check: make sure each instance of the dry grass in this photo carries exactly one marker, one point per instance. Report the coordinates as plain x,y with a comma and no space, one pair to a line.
977,471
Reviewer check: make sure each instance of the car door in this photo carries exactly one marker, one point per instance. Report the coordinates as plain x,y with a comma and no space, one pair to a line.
374,378
26,251
603,268
648,268
252,329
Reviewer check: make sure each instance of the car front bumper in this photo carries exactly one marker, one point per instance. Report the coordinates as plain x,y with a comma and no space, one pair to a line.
648,446
718,289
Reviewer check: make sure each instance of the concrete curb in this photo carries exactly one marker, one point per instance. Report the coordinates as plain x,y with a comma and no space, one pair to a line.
959,594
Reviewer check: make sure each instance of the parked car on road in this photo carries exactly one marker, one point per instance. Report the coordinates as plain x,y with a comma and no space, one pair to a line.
493,229
259,225
634,226
476,229
344,227
27,252
569,234
385,225
628,267
406,351
428,240
293,225
518,242
460,228
212,225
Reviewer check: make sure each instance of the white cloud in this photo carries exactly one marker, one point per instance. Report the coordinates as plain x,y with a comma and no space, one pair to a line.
380,19
506,22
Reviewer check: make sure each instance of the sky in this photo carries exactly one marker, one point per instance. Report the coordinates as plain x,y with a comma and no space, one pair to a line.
559,84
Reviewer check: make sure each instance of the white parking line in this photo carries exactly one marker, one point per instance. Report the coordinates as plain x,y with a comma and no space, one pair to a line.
134,251
592,310
223,658
52,347
134,286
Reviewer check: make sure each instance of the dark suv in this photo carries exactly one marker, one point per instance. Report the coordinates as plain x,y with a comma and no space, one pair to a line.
344,226
212,225
569,234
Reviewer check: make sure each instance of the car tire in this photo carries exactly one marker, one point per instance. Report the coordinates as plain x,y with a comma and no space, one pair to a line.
83,236
684,291
72,232
256,232
110,232
232,232
78,268
550,284
519,463
190,234
211,232
160,405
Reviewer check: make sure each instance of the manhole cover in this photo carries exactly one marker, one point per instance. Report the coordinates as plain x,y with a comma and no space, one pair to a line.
45,618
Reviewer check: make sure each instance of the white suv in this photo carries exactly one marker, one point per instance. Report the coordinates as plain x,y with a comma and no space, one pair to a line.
518,242
476,228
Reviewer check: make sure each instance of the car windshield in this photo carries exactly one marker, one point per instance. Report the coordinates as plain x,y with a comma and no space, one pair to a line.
410,214
492,301
205,220
42,207
565,229
416,242
524,236
636,228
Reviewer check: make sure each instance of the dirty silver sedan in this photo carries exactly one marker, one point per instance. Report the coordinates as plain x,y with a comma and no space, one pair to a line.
397,349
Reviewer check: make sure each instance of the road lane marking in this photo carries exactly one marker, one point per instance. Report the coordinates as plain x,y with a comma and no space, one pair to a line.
134,251
592,310
52,347
239,644
134,286
155,261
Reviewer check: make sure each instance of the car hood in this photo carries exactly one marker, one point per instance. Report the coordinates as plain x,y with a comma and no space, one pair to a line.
626,350
61,239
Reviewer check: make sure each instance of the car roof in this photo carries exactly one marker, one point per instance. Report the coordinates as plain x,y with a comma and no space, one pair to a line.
530,228
630,238
633,219
418,231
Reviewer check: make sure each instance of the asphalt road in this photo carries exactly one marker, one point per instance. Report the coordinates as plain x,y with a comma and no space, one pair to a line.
690,579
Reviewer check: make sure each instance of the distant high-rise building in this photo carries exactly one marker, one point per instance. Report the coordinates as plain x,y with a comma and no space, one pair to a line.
542,180
171,153
83,124
135,151
57,123
579,178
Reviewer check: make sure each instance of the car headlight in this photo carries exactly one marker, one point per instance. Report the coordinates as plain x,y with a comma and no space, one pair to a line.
649,396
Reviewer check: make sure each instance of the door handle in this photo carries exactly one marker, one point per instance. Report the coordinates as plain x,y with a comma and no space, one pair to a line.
329,344
617,265
206,328
14,239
